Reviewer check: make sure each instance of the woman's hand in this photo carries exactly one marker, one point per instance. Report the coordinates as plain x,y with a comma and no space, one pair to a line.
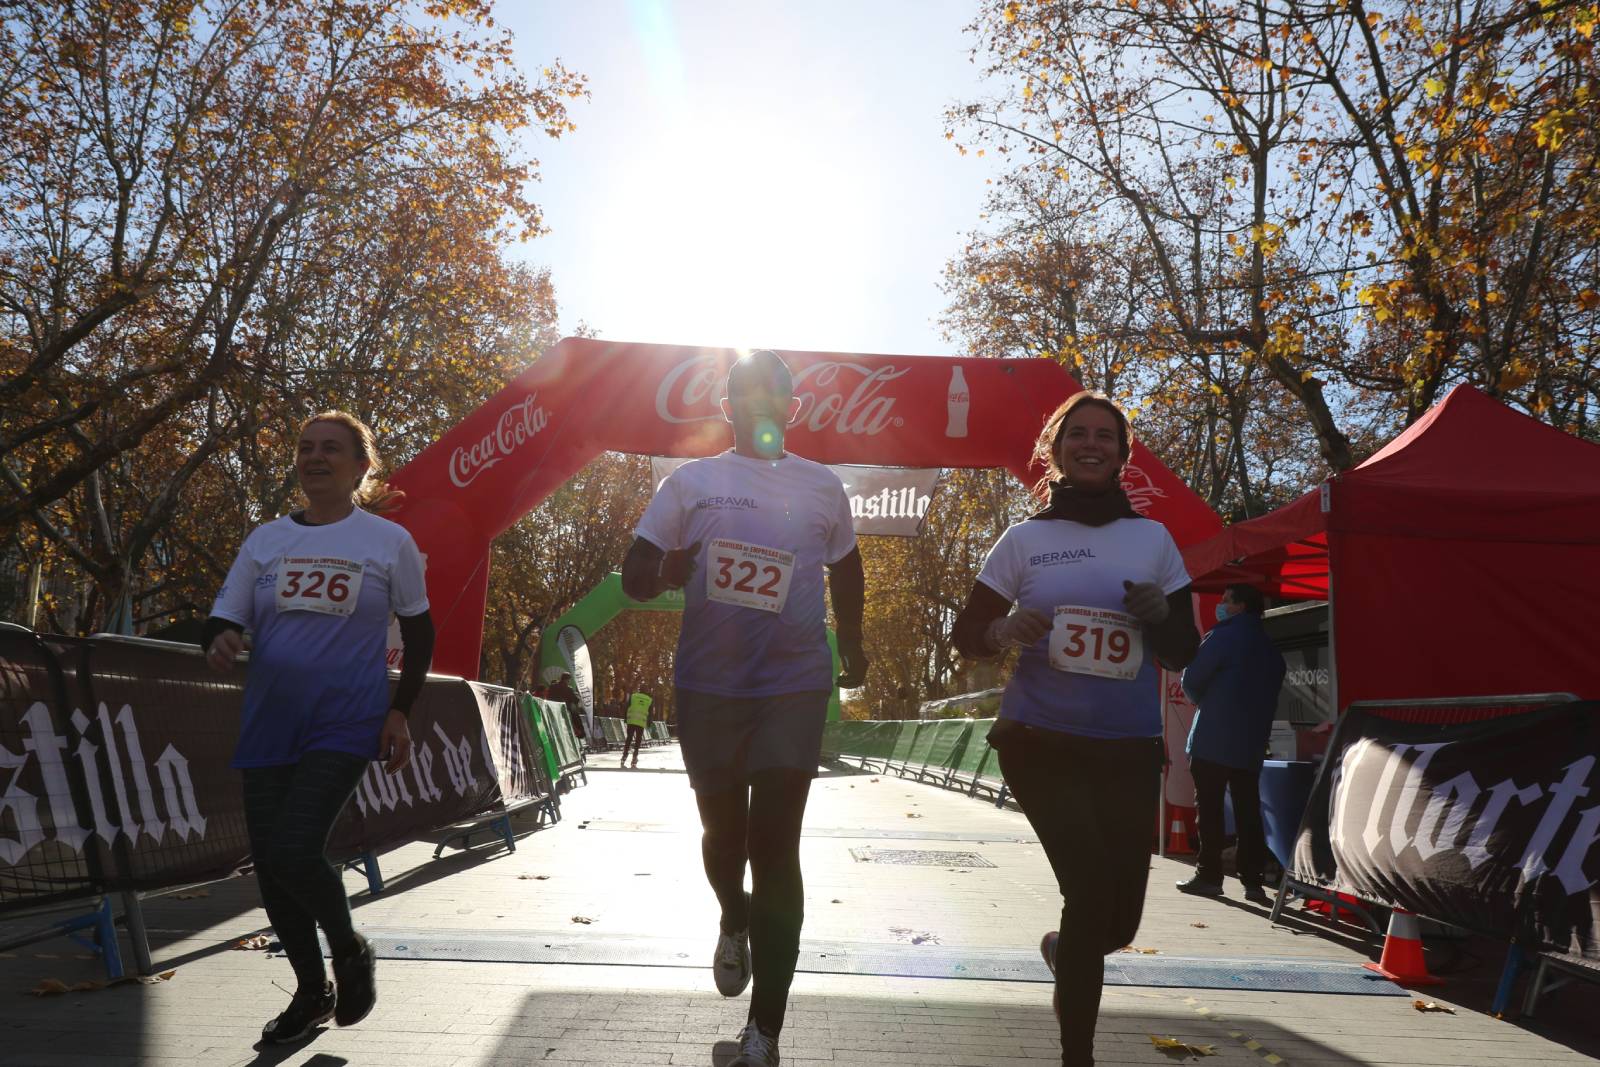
224,650
1021,628
394,744
1146,602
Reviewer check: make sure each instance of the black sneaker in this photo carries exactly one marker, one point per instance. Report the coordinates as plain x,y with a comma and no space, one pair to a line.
1201,887
306,1012
358,989
1256,893
756,1048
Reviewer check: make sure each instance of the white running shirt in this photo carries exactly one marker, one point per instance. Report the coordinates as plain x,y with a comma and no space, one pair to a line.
754,620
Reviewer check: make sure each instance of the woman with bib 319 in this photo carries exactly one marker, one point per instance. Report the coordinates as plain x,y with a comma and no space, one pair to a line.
1101,599
317,588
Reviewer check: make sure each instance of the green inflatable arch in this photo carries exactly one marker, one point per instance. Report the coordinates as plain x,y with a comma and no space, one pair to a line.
605,602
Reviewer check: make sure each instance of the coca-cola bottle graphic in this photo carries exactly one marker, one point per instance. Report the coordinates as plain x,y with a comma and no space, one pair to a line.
956,404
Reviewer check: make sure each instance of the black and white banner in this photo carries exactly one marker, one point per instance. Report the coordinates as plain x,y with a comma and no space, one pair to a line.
1490,825
889,501
114,767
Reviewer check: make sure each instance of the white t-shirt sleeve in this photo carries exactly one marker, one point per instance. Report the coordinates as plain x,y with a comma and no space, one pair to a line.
408,584
1000,571
662,523
842,538
236,599
1174,576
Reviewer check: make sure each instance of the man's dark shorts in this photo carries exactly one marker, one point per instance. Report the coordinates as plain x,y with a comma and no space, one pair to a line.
725,740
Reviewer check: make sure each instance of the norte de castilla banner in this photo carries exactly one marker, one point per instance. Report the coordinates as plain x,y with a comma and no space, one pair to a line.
1491,825
114,767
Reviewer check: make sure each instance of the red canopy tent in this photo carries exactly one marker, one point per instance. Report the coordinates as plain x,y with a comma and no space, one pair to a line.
1459,561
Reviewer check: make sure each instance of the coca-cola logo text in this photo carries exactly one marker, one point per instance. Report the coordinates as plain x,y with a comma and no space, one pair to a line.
517,425
833,394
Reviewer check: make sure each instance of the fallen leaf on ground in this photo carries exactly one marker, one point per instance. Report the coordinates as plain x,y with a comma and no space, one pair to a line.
1135,948
584,919
144,979
912,815
836,900
1172,1044
1198,926
88,987
49,987
193,894
1428,1005
534,877
253,944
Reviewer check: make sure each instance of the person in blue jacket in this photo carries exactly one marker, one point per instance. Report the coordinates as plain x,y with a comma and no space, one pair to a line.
1234,681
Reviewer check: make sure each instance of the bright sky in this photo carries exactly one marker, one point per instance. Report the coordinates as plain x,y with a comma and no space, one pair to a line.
756,173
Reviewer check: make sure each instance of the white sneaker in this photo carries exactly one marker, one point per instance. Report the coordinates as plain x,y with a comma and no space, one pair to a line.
730,966
755,1048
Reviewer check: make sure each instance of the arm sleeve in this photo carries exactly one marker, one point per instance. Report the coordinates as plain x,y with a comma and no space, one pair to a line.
236,598
983,606
416,638
847,582
1175,640
214,626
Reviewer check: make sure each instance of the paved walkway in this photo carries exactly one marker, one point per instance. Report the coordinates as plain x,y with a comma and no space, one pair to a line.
619,880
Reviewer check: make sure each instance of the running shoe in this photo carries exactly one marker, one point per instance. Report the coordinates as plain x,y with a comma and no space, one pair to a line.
1047,949
730,966
756,1049
1201,886
306,1012
358,985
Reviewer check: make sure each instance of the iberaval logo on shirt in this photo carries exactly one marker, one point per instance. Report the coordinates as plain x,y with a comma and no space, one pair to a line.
834,394
1056,559
516,426
726,503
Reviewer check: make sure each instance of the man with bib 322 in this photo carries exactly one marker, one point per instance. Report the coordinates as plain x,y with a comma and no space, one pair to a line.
746,535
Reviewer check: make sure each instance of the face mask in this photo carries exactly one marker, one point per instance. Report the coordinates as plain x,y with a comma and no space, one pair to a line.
1222,613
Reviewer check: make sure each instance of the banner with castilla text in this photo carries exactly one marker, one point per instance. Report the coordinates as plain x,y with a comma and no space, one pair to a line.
114,758
1493,825
586,396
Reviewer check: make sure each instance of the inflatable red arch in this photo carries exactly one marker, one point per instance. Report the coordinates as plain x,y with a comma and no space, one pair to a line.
584,397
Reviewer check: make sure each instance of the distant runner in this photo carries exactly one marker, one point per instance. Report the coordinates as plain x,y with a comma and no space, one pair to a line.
638,719
746,535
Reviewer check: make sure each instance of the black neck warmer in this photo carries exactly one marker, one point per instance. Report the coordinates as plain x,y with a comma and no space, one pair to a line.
1092,509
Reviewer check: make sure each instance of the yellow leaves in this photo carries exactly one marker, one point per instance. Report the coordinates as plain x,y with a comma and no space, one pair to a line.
1433,87
1027,92
1588,300
1551,129
1011,12
1172,1044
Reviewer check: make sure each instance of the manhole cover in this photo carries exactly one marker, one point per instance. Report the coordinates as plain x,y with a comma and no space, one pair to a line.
917,857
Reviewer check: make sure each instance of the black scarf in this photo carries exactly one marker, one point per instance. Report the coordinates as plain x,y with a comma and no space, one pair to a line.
1092,509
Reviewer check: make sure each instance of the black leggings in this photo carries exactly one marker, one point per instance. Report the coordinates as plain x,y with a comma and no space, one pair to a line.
290,811
1092,801
761,825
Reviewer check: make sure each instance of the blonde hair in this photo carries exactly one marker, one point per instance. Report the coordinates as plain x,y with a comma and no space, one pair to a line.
1044,449
373,494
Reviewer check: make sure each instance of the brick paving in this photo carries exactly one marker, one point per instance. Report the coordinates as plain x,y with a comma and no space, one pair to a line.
626,859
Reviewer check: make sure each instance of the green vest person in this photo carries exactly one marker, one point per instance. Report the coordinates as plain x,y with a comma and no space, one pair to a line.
638,717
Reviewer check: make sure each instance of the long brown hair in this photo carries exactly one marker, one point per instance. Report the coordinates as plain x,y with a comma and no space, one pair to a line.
373,494
1044,449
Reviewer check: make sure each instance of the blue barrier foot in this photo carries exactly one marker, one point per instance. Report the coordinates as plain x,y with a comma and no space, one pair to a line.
103,922
367,864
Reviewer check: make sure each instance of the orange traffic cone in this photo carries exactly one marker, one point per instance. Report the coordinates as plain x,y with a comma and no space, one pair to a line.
1178,838
1402,961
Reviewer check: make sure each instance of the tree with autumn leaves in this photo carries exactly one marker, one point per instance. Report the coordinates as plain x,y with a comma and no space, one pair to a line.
1235,215
221,217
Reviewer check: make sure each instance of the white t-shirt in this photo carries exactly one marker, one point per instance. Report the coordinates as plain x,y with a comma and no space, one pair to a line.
318,599
754,621
1094,674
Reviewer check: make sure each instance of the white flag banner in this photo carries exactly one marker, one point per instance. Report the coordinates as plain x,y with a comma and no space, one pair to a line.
890,501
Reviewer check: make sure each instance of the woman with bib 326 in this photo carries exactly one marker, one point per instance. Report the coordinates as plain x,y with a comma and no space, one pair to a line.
1101,598
317,588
